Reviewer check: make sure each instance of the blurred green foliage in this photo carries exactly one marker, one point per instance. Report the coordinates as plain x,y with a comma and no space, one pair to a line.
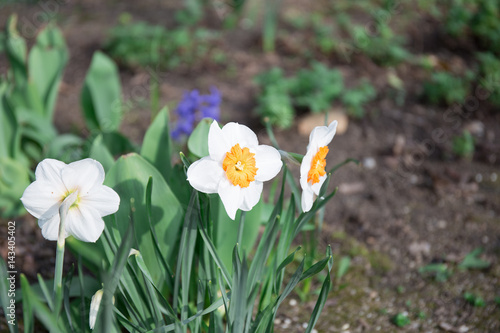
489,69
447,88
463,145
478,18
140,44
314,89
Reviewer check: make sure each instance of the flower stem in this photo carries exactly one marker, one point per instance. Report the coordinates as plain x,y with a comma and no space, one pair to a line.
241,226
61,239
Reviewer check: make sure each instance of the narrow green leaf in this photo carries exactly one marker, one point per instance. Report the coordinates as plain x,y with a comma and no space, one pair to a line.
320,303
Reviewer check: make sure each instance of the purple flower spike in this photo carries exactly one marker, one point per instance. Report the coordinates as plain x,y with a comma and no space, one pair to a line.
192,108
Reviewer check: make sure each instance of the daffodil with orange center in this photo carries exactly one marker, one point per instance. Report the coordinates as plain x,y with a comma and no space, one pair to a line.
236,167
312,168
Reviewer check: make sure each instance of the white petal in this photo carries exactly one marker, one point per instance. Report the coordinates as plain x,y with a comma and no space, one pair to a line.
83,175
42,199
217,144
102,198
231,197
251,195
84,223
316,187
307,200
268,162
305,166
205,175
50,227
235,133
49,170
322,136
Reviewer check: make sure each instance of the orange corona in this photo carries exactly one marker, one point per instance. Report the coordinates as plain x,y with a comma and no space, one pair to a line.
239,166
317,166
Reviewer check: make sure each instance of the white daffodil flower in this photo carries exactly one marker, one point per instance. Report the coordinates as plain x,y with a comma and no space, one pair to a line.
56,181
312,168
236,167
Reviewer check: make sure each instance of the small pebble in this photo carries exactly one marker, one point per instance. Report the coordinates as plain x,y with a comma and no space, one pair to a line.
345,327
478,178
293,302
288,321
304,325
314,330
493,177
369,163
441,224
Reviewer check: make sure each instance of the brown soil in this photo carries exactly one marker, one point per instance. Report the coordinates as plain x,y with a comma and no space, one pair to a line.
410,203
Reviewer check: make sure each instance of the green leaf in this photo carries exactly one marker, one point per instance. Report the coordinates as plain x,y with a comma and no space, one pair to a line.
34,305
344,264
14,178
16,50
129,177
198,140
46,63
472,260
320,303
9,139
156,147
101,95
100,152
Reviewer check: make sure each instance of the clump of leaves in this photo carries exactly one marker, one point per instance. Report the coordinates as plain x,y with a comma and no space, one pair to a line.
478,18
463,146
489,69
441,272
275,104
316,88
472,260
355,99
383,46
142,44
474,300
401,319
447,88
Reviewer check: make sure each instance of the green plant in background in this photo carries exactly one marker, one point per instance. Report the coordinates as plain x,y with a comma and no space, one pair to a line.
401,319
472,260
275,103
354,99
441,272
463,145
474,300
316,88
141,44
489,69
447,88
383,46
27,99
478,18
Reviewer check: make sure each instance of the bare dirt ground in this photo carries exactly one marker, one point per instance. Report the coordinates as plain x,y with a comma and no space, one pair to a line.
410,202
